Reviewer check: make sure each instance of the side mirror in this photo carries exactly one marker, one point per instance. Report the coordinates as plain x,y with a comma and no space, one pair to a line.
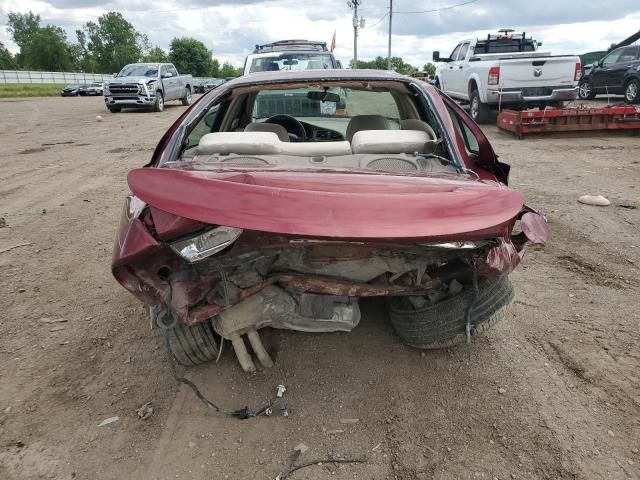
115,75
167,75
436,56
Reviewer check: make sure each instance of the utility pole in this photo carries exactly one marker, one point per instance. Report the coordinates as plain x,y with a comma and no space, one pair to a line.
356,23
390,26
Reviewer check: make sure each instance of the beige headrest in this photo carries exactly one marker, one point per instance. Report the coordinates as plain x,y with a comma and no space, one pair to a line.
240,143
365,122
268,127
390,141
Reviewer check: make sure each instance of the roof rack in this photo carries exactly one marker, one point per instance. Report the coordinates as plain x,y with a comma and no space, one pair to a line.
284,45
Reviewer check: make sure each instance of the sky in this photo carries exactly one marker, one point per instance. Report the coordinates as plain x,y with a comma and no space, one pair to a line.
231,28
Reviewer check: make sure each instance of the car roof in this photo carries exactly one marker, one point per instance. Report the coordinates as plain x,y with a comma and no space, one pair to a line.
319,75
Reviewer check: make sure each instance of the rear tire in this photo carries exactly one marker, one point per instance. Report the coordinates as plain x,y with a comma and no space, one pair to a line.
186,99
585,91
444,324
632,91
115,109
158,106
194,345
480,112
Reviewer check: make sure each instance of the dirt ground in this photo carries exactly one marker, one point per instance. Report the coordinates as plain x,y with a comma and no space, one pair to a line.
552,393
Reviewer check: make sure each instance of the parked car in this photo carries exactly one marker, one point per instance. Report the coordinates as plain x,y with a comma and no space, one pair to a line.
241,222
290,55
70,91
147,85
506,70
95,88
617,73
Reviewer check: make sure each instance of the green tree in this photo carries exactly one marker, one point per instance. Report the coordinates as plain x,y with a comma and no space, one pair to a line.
381,63
430,68
47,49
228,70
191,56
22,26
110,44
7,61
156,54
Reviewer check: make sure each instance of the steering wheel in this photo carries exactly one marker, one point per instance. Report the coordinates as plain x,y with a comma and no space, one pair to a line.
294,128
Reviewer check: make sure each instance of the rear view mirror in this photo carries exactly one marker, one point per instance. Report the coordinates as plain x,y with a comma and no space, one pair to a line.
323,96
289,61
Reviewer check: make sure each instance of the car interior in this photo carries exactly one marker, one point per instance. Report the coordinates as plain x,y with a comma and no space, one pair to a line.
400,138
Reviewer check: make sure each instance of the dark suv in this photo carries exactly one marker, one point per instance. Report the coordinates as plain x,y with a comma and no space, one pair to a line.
617,73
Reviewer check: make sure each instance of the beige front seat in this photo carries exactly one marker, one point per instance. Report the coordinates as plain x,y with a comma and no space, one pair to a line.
269,127
415,124
366,122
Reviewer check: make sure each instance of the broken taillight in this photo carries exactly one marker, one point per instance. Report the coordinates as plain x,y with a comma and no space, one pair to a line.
494,76
578,72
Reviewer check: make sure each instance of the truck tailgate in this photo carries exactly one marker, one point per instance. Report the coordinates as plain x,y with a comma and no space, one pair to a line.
530,72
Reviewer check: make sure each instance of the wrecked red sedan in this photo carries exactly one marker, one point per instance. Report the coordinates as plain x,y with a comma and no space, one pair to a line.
281,199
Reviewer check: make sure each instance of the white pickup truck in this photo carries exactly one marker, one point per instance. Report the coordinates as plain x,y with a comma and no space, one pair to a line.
506,70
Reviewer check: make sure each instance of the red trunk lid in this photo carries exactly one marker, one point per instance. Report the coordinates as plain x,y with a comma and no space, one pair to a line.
332,204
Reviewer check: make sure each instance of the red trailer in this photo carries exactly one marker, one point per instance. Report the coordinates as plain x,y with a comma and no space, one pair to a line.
615,117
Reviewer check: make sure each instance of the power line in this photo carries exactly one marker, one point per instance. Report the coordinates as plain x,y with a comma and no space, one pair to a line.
380,20
440,9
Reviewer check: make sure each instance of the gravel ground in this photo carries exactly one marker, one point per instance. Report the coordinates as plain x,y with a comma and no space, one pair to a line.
552,392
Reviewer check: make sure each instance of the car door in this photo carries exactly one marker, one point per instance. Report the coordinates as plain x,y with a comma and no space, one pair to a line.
602,78
446,73
178,91
458,81
168,82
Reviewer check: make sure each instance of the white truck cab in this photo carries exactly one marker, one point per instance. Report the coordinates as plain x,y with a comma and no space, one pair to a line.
506,70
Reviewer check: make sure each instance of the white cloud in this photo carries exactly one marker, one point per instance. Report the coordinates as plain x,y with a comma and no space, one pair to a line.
231,28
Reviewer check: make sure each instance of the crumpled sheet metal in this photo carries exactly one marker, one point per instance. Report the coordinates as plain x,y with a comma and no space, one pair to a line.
505,257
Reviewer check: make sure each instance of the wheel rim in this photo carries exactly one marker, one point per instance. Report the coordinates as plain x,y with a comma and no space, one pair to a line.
585,90
188,96
160,102
632,91
474,107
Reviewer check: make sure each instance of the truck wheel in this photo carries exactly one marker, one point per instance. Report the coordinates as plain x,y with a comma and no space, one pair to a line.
444,323
186,100
158,106
585,91
480,112
632,91
115,109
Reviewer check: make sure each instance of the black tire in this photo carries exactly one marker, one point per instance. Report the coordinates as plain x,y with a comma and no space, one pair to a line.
480,112
186,99
559,104
444,324
632,91
194,345
115,109
158,105
585,91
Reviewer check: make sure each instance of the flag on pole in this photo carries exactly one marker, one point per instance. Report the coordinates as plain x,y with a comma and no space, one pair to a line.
333,41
